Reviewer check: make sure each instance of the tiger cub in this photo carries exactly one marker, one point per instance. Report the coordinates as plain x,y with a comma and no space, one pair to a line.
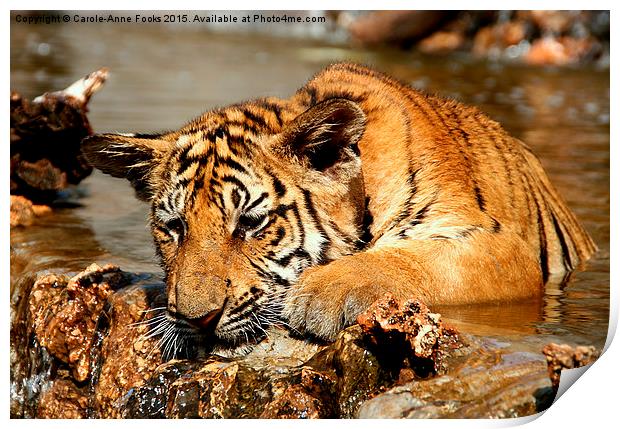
306,210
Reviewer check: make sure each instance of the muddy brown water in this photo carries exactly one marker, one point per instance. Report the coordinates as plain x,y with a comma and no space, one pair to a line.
161,77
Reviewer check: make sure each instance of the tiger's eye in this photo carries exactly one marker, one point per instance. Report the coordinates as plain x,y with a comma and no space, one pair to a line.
248,223
176,227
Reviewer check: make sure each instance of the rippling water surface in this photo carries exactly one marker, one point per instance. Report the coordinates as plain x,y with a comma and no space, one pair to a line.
162,77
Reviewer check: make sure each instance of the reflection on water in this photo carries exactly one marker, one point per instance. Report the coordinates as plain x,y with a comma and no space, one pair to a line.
162,77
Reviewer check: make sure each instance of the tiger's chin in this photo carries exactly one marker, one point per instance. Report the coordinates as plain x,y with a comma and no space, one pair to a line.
233,344
177,339
232,352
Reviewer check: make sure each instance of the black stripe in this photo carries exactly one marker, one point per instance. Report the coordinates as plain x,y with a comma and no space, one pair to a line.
311,92
186,161
282,211
247,126
269,276
214,184
186,165
278,186
256,202
421,214
231,163
211,135
251,300
313,214
183,158
479,197
463,233
277,279
367,221
228,179
219,132
280,233
568,265
300,224
239,146
258,120
544,257
466,232
496,225
271,220
232,179
273,108
411,179
261,271
177,199
147,135
241,316
198,185
451,132
502,153
236,197
161,206
283,208
221,204
283,261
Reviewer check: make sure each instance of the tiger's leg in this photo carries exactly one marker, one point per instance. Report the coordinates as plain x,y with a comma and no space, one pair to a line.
483,267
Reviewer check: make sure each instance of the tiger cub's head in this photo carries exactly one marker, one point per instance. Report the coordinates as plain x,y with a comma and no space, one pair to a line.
243,200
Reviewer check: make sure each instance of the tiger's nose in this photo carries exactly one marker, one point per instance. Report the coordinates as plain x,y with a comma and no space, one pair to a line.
208,321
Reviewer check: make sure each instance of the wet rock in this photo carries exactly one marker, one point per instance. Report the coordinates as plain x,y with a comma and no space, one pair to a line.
561,51
356,371
484,384
412,328
23,212
295,403
63,400
393,26
256,385
45,139
124,356
563,356
531,36
95,353
64,313
552,21
494,39
442,42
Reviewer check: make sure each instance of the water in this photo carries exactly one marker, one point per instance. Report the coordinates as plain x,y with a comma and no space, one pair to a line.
161,77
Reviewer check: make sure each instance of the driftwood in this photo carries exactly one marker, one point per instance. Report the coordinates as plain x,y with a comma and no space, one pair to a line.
45,144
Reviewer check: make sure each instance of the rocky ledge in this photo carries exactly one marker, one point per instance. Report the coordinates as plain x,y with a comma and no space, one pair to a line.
85,347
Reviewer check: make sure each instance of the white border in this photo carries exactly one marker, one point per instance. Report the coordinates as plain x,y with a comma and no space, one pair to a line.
591,402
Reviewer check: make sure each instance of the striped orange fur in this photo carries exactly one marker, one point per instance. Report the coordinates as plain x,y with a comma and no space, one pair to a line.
305,210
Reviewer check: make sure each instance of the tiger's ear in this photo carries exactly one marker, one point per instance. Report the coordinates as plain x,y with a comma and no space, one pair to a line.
325,134
127,156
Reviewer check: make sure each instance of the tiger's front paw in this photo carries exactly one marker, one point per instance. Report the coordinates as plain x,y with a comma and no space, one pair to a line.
329,298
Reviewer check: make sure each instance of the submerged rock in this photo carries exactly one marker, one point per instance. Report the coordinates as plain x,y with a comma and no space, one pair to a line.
93,351
563,356
23,212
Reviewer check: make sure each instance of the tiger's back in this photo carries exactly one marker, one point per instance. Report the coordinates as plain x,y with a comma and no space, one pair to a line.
452,170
